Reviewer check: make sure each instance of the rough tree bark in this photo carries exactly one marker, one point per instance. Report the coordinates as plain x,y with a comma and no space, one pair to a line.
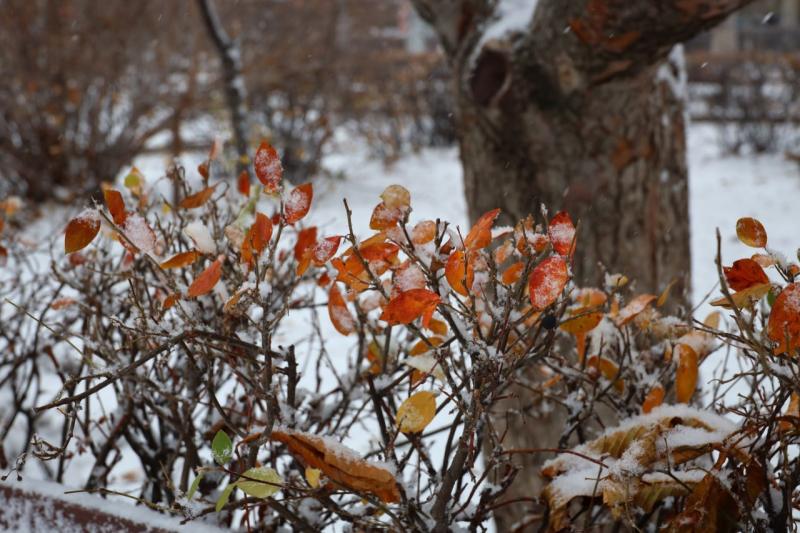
235,91
576,110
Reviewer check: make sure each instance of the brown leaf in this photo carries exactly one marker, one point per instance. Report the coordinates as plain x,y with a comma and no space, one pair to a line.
751,232
81,231
745,297
243,183
116,206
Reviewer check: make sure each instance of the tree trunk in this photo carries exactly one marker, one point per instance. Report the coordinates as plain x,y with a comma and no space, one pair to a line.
577,110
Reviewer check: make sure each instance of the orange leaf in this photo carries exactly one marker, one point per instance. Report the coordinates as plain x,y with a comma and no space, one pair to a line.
268,167
784,319
503,252
751,232
206,280
81,231
340,316
562,234
170,300
256,239
513,273
243,183
384,217
437,326
763,260
744,274
116,206
457,271
745,297
582,322
416,412
422,347
686,380
180,260
653,399
423,232
547,281
197,199
396,196
325,249
306,238
609,369
379,251
481,233
340,464
410,305
298,203
634,307
792,410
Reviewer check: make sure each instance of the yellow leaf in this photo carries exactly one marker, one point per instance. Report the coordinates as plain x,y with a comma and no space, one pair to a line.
416,412
312,476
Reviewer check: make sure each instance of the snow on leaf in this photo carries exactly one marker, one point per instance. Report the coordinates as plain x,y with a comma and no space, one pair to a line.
260,482
139,232
385,217
298,203
201,237
416,412
268,167
784,320
410,305
423,232
654,398
547,281
340,316
427,364
481,233
325,249
222,448
634,307
751,232
206,280
81,231
340,464
562,234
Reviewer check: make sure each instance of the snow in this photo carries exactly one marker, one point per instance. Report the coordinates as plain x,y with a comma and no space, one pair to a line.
201,236
139,233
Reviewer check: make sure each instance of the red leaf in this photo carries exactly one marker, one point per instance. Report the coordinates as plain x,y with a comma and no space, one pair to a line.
744,274
306,238
206,280
547,281
410,305
298,203
256,239
325,249
268,167
116,206
81,231
197,199
784,319
340,316
481,233
562,234
243,183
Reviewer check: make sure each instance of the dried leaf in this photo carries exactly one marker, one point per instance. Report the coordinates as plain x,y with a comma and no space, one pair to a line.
81,231
686,379
562,234
634,307
180,260
751,232
340,464
410,305
458,270
424,232
197,199
298,203
547,282
744,274
416,412
744,298
339,314
268,167
384,217
784,320
481,233
206,280
662,298
396,196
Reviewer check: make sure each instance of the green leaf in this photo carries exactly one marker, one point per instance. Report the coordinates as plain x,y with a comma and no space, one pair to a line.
268,482
222,448
225,496
195,484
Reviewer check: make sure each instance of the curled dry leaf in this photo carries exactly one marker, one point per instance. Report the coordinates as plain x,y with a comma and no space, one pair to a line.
206,280
298,203
745,297
481,233
340,316
416,412
340,464
751,232
784,320
744,274
686,379
180,260
268,167
634,307
547,282
410,305
562,234
81,231
197,199
458,270
116,206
